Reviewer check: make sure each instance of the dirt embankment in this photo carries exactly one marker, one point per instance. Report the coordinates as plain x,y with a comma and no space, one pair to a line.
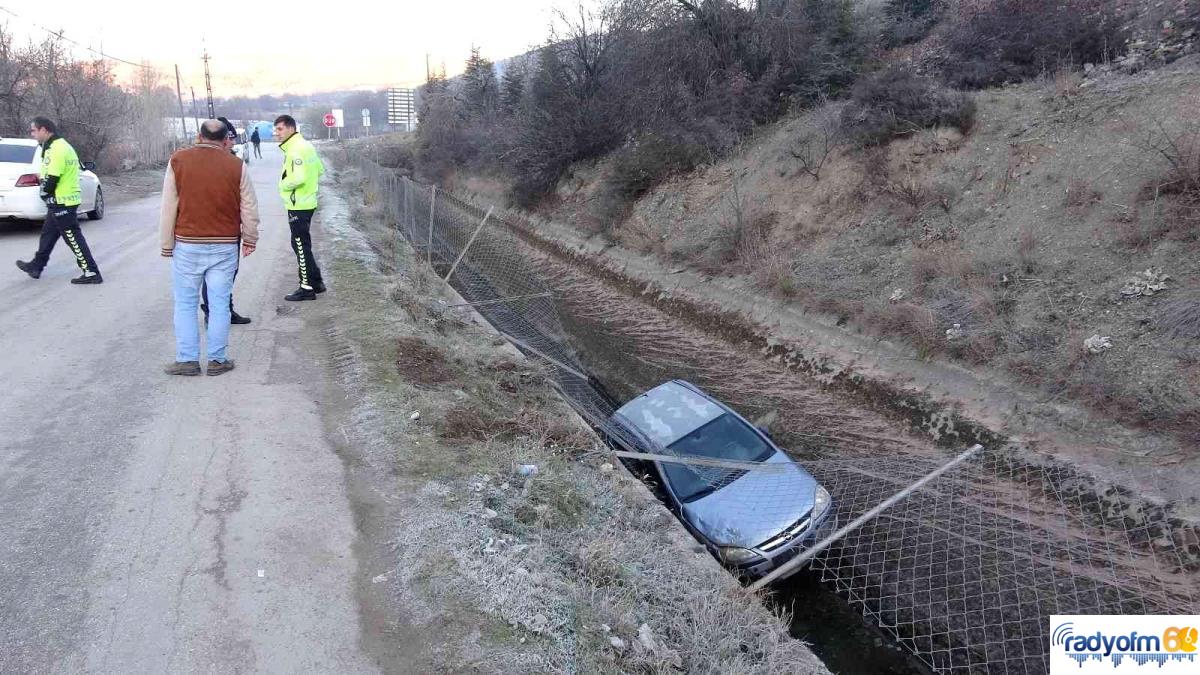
953,279
574,569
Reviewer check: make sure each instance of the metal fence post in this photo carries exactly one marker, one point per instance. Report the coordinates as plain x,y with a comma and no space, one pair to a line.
432,201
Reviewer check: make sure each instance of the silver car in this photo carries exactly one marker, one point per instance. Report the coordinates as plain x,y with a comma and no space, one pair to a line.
751,520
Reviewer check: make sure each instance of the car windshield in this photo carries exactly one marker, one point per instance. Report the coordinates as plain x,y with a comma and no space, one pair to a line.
726,437
12,153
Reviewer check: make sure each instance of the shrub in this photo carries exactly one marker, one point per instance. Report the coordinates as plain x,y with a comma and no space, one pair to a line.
910,20
990,42
639,167
1180,181
898,101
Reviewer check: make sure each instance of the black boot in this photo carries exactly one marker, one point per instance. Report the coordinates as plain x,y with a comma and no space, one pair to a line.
301,294
238,319
28,268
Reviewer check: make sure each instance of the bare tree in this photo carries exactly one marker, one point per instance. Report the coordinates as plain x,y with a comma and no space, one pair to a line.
818,140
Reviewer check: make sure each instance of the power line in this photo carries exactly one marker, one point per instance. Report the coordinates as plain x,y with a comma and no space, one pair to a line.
59,34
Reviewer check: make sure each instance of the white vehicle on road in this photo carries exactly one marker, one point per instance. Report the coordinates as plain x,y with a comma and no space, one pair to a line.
20,162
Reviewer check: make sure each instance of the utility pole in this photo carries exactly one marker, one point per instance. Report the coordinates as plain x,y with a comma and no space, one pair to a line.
195,112
179,95
212,113
426,67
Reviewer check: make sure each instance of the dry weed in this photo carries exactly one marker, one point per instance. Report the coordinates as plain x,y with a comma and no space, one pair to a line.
1081,195
1180,318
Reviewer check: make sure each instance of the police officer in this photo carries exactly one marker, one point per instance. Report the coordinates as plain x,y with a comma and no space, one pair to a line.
60,190
302,170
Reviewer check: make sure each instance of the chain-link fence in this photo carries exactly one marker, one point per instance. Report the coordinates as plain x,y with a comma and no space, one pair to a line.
964,572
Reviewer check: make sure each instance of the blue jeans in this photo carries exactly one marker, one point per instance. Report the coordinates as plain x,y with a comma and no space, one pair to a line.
193,264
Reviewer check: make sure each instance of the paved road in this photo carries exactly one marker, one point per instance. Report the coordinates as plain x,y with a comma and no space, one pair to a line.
155,524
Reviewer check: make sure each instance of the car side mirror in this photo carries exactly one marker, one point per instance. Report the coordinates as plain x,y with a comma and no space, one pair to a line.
89,166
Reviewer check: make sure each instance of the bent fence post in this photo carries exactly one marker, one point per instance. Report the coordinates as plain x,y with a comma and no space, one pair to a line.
825,543
466,248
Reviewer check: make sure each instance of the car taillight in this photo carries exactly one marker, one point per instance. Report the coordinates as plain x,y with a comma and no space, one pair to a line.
28,180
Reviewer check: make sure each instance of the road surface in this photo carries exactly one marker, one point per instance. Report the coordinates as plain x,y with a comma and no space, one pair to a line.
159,524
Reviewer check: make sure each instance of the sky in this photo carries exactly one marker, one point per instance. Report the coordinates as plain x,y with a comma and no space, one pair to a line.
294,46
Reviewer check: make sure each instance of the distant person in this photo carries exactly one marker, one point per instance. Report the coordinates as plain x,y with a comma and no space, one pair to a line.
208,208
60,191
256,139
302,170
234,318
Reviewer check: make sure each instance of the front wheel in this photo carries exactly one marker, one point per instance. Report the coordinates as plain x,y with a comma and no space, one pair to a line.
98,212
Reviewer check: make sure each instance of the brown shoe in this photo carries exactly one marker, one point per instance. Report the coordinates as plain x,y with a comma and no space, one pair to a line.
187,368
217,368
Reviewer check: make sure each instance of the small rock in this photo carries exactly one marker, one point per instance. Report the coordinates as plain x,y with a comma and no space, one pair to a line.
415,416
897,295
539,623
488,514
1088,68
1097,344
646,638
617,643
606,467
527,470
606,628
955,333
379,579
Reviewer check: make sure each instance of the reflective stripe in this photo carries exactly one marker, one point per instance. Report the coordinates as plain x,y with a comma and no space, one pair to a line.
74,244
303,265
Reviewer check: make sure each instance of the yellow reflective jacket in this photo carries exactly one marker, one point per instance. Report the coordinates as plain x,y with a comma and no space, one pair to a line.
60,172
302,171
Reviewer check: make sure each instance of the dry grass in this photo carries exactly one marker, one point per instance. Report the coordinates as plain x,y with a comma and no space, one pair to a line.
1180,318
1179,184
1027,250
1081,195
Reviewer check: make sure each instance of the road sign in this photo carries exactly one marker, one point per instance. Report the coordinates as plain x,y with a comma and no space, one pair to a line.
402,110
339,118
330,120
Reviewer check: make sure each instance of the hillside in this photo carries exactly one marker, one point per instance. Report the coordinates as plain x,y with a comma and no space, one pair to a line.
997,254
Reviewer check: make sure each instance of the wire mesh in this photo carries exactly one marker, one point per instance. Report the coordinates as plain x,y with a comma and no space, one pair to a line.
964,573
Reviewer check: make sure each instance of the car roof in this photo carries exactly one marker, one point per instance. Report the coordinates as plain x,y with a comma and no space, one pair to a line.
670,411
18,141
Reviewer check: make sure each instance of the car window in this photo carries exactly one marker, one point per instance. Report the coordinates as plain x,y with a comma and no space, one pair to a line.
16,154
726,437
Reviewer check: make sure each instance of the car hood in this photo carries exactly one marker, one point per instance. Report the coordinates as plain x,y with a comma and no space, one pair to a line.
755,507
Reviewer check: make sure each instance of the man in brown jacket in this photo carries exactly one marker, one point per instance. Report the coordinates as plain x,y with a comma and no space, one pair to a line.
208,205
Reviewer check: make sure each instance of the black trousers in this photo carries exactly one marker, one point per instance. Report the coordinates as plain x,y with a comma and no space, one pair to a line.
300,222
63,221
204,290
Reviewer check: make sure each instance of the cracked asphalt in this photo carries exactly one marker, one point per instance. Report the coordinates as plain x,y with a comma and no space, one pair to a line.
158,524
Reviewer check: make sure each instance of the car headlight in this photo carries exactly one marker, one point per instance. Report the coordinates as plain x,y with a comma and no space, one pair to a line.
821,503
737,556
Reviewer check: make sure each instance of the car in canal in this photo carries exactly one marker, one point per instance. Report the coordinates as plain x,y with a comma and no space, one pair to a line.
751,520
